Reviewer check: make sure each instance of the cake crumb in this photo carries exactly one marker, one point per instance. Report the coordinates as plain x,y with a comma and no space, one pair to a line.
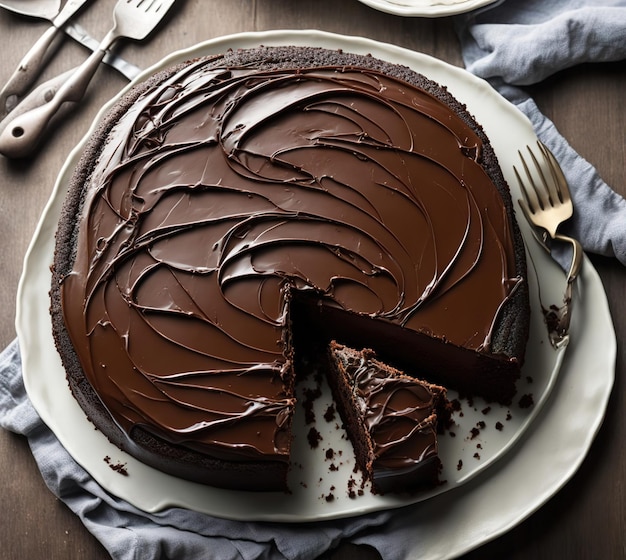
310,395
499,426
486,410
455,406
117,467
329,415
526,401
314,438
352,494
459,465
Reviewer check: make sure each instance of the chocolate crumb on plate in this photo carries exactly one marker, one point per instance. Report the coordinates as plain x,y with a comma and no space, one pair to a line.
526,401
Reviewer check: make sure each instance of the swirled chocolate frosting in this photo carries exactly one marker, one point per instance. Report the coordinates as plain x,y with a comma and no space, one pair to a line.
229,189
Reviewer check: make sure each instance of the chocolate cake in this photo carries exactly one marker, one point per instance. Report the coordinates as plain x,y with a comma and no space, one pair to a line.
392,419
231,201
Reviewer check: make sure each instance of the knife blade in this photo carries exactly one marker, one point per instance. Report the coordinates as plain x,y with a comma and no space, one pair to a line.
80,35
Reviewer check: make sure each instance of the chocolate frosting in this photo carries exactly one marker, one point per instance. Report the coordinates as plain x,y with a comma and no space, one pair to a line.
226,191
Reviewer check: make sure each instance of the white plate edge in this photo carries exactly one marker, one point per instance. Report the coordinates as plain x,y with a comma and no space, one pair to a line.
433,10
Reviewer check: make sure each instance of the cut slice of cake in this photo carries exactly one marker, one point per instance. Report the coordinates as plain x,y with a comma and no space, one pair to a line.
391,418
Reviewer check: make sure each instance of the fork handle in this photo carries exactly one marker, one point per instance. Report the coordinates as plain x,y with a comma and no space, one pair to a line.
560,335
577,256
22,133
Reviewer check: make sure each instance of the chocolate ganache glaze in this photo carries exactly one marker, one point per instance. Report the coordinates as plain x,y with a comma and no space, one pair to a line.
232,188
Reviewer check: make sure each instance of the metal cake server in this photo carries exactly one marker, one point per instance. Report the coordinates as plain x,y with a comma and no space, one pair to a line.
133,19
32,63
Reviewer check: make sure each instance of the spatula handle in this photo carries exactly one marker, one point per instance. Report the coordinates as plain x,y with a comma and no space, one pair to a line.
23,132
27,70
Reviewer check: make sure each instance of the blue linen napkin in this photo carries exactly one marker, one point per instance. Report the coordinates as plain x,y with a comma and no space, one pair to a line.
521,42
511,44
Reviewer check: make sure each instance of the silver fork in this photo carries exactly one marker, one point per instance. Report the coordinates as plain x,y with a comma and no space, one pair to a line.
132,19
547,203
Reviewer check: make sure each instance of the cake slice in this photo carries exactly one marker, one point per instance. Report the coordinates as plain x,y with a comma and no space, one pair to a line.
391,418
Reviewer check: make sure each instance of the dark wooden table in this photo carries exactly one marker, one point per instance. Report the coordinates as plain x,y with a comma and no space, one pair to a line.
585,520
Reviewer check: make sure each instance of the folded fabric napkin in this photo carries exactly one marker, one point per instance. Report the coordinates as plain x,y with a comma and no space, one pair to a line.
512,43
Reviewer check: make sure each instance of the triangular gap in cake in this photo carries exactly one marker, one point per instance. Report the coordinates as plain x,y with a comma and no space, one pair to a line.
490,375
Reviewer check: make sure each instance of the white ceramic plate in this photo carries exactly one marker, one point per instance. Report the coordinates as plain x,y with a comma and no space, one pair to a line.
313,474
426,8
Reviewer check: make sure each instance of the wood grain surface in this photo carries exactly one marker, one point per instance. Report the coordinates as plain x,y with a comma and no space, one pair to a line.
585,520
